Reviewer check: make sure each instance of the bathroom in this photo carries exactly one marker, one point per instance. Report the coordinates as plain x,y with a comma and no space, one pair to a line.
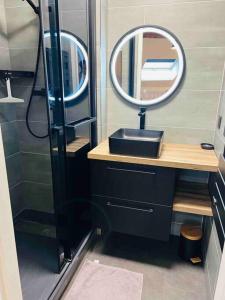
102,174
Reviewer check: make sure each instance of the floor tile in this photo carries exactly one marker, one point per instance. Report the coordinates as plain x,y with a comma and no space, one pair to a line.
166,276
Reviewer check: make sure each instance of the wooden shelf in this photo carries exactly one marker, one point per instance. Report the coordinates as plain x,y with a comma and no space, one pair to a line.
76,145
180,156
193,204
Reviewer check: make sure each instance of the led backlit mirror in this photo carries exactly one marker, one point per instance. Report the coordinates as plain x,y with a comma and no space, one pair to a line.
147,65
74,66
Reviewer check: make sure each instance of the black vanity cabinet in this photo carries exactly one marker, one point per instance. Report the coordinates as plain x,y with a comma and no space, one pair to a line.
132,199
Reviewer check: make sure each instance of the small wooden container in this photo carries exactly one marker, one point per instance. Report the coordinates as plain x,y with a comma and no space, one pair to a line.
190,242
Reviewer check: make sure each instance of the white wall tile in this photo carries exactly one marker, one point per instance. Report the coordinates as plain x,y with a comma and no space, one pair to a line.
196,23
23,31
183,119
126,3
121,20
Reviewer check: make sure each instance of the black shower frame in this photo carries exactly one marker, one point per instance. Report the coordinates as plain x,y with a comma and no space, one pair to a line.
60,128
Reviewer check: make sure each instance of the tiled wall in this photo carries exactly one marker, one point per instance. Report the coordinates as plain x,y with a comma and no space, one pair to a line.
190,117
33,166
219,140
8,123
74,19
22,37
101,49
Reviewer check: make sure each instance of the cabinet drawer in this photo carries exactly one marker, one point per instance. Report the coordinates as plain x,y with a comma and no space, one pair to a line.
218,197
133,182
217,190
140,219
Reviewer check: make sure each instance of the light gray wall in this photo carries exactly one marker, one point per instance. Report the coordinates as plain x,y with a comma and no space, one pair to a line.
191,116
219,140
9,124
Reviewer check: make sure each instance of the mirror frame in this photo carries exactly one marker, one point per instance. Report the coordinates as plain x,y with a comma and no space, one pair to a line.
76,40
124,39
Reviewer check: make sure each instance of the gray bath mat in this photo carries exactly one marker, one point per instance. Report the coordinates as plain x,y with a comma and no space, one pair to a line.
100,282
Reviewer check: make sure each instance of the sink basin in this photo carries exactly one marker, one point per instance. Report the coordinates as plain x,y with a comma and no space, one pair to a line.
136,142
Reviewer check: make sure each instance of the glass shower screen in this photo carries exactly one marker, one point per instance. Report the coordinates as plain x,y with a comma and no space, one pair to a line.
66,56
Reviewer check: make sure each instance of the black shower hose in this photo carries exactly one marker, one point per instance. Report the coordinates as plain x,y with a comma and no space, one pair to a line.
33,88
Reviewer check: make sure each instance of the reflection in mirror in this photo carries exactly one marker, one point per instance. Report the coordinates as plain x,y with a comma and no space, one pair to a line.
147,65
74,66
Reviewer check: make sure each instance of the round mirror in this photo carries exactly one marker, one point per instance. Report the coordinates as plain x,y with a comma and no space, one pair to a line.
147,65
74,66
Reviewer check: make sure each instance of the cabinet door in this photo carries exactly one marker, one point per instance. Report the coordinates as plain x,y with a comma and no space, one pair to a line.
140,219
217,192
133,182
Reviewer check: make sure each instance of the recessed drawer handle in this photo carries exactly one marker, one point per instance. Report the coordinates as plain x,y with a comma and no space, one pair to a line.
132,171
221,224
151,210
220,196
215,200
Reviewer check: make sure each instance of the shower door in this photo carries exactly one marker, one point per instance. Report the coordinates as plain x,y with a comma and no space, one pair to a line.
71,119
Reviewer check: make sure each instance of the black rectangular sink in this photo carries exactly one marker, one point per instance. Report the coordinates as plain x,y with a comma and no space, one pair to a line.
136,142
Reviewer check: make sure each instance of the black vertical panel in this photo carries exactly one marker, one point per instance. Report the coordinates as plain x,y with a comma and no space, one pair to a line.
50,25
131,67
93,67
72,130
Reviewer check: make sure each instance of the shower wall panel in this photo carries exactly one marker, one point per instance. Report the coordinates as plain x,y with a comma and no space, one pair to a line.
8,123
23,32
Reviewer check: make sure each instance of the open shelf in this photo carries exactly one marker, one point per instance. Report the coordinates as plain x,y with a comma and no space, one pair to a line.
192,205
193,198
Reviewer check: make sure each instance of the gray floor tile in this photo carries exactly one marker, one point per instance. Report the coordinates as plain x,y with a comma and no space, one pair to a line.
38,263
166,276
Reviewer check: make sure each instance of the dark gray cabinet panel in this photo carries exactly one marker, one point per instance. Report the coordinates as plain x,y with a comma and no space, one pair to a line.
217,192
133,182
146,220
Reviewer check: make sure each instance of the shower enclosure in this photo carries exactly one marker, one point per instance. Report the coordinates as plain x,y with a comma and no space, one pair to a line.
47,137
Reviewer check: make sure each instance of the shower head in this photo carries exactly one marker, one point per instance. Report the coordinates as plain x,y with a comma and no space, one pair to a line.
35,8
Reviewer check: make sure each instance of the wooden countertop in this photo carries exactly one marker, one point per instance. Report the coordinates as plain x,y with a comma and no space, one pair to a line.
180,156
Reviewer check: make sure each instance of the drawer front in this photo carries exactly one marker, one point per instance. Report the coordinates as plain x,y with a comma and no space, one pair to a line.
133,182
219,197
217,191
140,219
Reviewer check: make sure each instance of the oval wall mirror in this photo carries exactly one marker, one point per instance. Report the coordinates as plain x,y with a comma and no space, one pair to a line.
147,65
74,66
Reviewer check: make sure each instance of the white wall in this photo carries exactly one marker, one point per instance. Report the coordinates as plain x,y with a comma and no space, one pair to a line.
10,288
